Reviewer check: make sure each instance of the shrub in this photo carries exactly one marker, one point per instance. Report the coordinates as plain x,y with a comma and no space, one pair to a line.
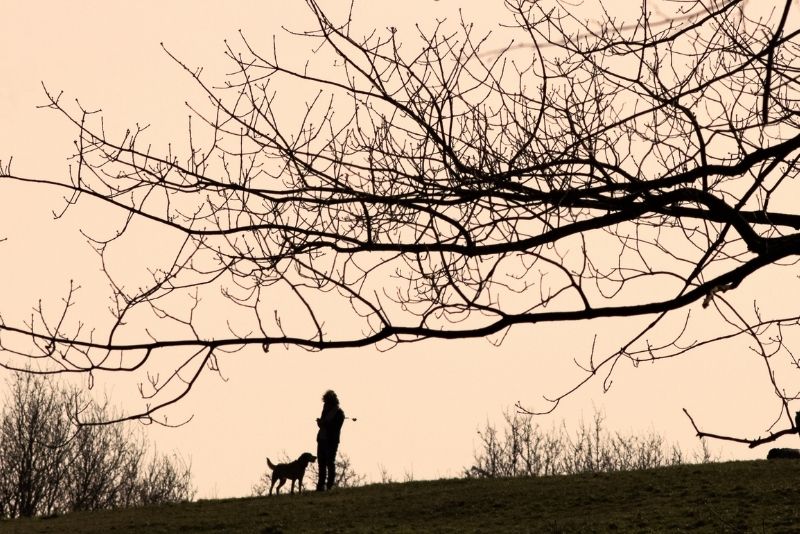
346,476
522,448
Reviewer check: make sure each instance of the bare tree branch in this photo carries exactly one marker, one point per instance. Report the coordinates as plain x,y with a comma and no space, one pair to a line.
454,186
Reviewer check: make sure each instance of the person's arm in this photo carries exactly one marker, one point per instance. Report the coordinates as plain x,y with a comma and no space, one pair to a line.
338,418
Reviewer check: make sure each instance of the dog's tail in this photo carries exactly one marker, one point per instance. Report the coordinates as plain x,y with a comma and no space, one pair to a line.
270,464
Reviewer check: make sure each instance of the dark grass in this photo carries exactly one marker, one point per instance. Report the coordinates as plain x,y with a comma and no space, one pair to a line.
725,497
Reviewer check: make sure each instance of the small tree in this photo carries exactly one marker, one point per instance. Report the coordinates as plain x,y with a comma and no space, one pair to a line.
33,458
48,465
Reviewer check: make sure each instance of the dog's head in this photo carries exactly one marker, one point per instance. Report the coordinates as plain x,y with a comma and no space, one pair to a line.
307,458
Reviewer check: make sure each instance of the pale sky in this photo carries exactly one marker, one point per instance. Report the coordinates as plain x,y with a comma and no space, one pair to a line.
418,406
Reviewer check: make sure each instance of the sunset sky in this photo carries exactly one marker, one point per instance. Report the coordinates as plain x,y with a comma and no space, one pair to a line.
418,405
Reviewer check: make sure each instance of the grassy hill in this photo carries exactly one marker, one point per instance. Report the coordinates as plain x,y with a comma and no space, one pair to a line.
726,497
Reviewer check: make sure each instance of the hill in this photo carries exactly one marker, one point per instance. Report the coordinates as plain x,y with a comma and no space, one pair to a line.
723,497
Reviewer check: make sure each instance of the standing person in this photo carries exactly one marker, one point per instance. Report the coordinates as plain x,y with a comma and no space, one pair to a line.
330,427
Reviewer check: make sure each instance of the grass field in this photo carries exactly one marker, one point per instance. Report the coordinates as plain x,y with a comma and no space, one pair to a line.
725,497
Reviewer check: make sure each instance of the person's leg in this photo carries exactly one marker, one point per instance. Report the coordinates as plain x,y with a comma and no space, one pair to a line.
321,466
331,460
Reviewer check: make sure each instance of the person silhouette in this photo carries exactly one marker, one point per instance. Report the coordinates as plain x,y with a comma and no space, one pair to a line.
330,428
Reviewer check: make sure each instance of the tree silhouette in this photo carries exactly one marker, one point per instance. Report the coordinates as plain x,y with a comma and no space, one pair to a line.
450,187
48,466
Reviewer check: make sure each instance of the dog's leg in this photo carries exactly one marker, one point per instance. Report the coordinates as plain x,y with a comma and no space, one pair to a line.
292,486
272,485
280,485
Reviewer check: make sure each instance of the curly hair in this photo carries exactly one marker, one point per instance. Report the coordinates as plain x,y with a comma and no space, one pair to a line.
330,397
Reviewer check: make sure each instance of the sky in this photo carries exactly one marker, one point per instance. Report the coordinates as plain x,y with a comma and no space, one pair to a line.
418,406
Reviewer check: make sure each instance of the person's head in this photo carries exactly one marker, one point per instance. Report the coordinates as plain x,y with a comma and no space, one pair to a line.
330,397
